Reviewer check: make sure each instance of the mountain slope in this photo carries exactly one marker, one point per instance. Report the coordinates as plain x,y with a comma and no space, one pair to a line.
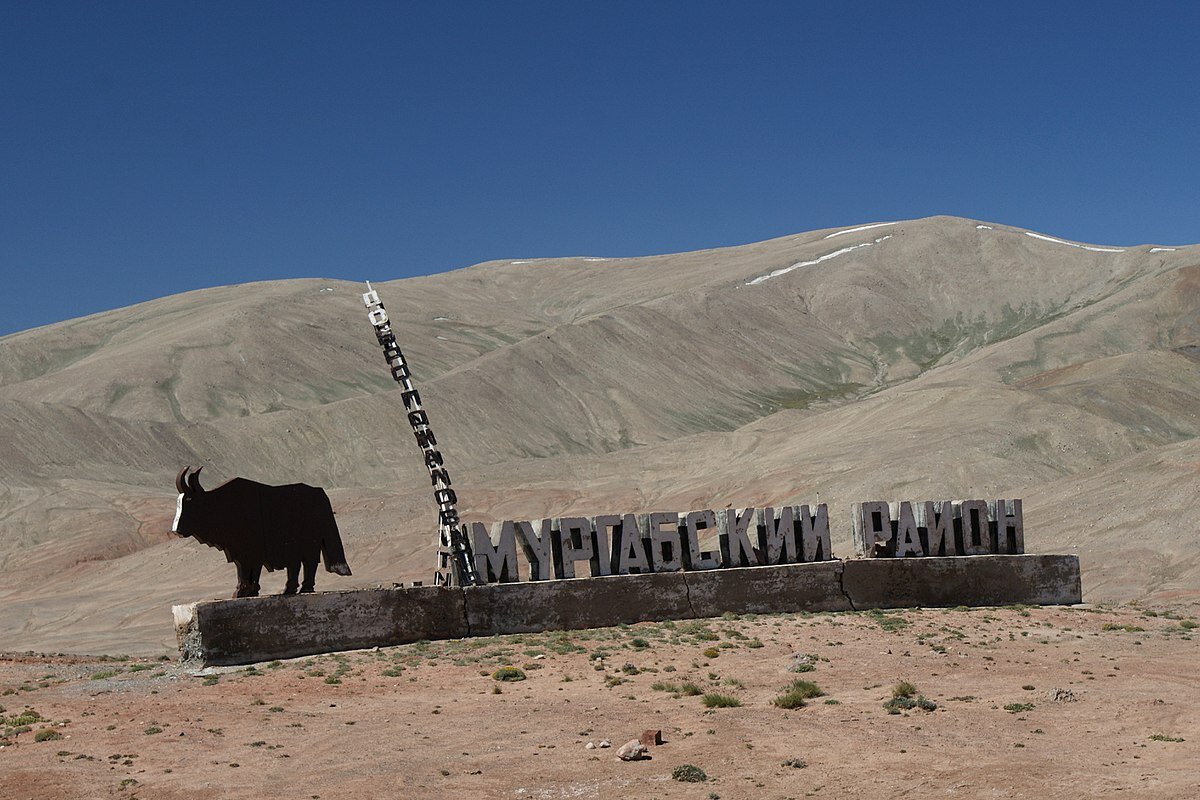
929,358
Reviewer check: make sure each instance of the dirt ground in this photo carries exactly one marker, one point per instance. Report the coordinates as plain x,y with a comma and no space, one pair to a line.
1030,702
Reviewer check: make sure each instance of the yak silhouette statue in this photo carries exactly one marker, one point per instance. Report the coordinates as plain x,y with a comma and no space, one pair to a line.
256,526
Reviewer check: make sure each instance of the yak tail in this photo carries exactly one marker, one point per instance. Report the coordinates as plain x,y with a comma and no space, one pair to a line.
331,542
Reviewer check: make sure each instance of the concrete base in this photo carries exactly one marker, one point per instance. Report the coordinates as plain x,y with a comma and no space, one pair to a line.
223,632
962,581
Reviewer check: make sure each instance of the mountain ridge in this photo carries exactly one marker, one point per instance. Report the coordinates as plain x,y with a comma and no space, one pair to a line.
953,358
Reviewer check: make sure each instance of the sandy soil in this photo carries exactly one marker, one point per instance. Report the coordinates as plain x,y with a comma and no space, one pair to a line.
1066,702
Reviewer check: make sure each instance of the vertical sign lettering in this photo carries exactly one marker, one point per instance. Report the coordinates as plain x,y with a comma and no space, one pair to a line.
455,565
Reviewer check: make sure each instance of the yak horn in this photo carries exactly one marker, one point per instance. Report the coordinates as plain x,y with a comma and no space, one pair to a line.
194,481
179,484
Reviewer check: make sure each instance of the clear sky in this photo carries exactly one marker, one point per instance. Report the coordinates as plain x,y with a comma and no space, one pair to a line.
148,148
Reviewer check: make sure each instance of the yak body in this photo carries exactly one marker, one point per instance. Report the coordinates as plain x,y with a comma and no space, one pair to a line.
256,525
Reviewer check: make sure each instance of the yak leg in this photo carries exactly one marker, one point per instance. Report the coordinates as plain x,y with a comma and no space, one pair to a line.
293,578
248,579
255,572
242,584
310,575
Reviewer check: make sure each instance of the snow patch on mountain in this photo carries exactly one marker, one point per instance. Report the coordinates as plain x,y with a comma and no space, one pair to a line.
826,257
859,228
1045,238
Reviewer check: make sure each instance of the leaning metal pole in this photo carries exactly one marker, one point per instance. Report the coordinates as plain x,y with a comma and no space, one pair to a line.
455,566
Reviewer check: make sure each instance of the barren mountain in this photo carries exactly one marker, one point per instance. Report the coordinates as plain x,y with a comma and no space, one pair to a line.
935,358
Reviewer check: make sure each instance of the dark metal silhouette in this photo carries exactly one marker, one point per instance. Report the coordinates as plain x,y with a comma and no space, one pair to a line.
256,526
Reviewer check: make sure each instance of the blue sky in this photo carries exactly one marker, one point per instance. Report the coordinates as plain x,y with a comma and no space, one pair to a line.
153,148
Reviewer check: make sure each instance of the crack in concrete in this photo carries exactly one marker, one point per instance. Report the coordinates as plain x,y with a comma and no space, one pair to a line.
841,579
687,591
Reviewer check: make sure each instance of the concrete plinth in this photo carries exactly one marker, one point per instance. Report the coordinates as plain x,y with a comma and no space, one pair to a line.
962,581
224,632
262,628
575,604
767,590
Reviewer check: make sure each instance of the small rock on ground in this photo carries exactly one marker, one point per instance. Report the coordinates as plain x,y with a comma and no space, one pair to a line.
633,750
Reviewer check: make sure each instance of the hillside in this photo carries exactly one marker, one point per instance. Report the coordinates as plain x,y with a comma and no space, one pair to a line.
940,357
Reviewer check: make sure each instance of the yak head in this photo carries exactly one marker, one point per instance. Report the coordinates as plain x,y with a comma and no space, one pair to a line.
190,494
